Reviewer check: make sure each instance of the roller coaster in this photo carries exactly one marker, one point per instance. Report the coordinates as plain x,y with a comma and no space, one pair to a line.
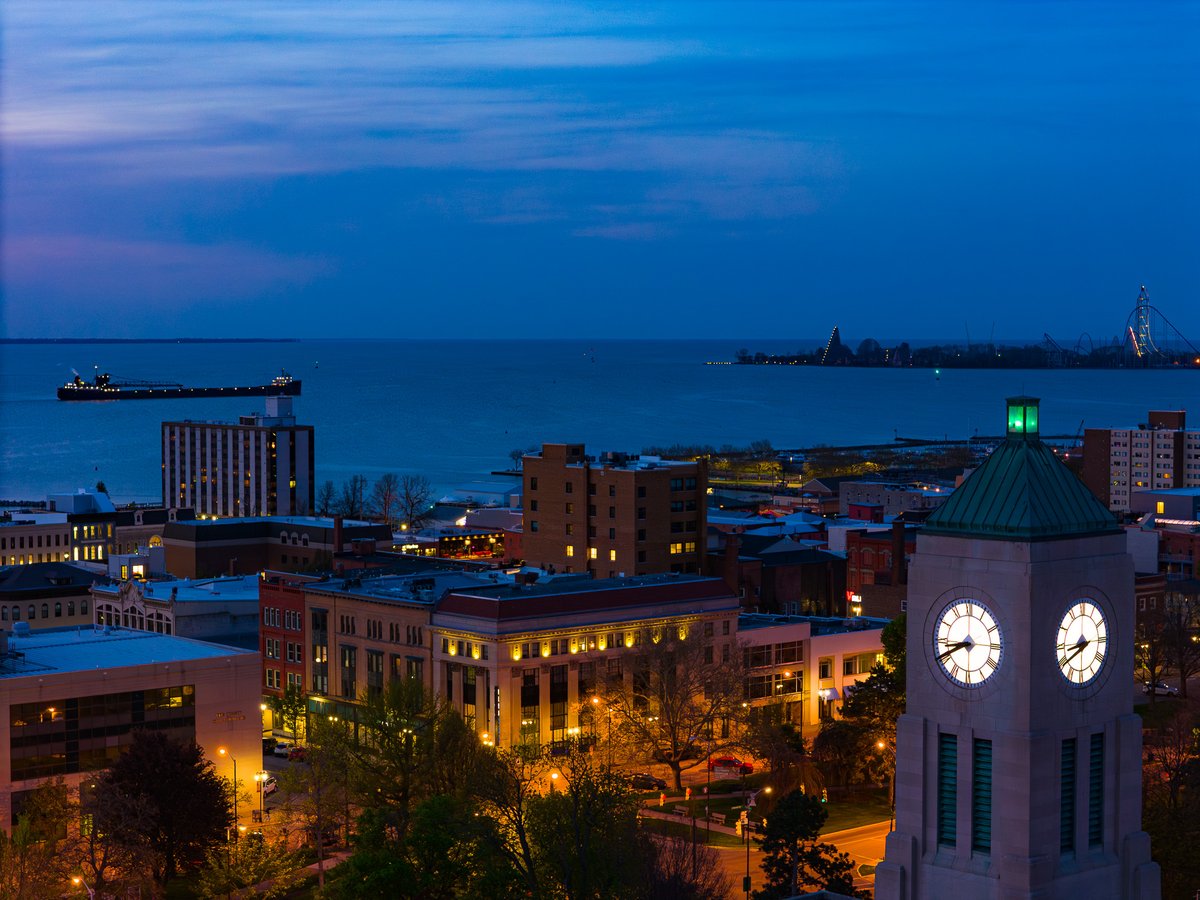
1149,340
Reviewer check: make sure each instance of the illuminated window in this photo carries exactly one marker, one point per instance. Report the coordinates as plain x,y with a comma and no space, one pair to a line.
591,552
612,555
570,550
1160,507
676,548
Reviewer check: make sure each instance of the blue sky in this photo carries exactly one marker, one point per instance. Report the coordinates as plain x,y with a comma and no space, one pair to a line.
680,169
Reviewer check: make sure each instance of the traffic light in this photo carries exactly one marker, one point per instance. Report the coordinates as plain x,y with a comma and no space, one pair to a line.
662,798
824,795
687,794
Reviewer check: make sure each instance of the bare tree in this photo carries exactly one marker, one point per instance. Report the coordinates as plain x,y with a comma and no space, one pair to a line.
1151,651
326,499
1181,648
352,503
674,704
516,456
414,501
385,499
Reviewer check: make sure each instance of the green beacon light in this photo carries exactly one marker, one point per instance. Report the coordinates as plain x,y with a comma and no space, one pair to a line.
1022,417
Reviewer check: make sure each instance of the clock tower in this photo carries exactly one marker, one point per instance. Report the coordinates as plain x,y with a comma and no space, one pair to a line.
1019,759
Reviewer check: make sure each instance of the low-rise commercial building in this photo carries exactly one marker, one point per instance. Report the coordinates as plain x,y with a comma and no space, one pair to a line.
521,661
223,610
45,595
72,699
805,665
204,548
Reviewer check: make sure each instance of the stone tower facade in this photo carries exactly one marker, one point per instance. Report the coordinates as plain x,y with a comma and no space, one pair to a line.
1019,757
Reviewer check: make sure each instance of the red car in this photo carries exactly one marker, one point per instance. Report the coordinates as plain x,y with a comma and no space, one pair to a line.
730,762
297,754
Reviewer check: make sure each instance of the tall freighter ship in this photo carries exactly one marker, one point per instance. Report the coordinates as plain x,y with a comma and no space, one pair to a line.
105,387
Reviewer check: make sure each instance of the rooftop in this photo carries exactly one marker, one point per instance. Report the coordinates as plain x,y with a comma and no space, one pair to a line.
234,588
41,576
58,650
1022,492
574,595
820,624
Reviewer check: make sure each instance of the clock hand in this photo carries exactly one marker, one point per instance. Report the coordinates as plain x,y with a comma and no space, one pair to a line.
1083,642
954,648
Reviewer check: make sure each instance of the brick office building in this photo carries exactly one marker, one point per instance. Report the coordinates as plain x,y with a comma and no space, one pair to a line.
621,515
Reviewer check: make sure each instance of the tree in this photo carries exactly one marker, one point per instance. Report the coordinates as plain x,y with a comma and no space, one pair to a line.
316,796
36,857
504,783
385,499
415,499
251,867
1181,648
1171,805
327,499
586,834
163,796
290,708
517,455
1151,649
679,706
352,502
874,705
411,746
794,859
680,870
101,488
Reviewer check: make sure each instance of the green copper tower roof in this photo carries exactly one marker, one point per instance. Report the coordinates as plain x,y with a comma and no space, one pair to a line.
1022,492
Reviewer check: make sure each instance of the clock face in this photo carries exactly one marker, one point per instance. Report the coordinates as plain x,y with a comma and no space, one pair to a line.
967,643
1082,642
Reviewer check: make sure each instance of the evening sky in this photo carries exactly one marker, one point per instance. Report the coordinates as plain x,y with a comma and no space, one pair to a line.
676,169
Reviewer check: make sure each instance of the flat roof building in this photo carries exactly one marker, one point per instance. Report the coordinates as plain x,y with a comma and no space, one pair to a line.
615,516
263,465
72,699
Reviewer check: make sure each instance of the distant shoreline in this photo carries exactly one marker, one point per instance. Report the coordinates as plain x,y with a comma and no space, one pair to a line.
175,340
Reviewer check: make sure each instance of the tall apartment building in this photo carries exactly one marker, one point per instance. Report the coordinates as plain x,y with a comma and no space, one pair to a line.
1160,453
261,466
622,515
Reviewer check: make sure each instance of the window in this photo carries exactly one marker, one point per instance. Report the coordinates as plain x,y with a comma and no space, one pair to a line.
570,487
676,549
349,672
1096,791
725,627
708,629
533,525
612,490
825,667
612,512
569,509
612,534
570,529
533,483
981,797
947,790
641,556
612,555
570,550
533,506
591,552
641,490
1066,799
641,513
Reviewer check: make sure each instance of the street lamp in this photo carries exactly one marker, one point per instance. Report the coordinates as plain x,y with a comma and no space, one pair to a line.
77,880
553,780
221,751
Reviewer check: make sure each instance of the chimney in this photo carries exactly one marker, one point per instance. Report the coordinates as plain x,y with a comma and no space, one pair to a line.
337,534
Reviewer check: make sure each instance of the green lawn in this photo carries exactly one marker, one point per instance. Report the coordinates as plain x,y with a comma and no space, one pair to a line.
1157,714
683,829
865,808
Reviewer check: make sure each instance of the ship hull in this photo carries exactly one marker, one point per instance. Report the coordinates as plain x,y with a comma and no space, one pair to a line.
291,389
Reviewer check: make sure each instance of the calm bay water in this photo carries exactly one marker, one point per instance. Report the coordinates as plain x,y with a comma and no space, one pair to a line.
452,410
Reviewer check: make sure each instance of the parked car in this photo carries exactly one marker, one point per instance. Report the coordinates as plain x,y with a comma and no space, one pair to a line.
268,786
298,754
282,748
730,762
269,744
644,781
1159,689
